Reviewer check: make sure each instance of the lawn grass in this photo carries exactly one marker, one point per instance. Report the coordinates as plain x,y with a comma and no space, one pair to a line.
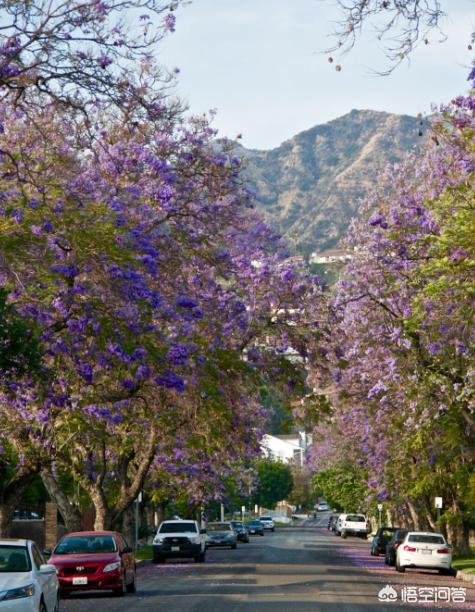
467,564
144,554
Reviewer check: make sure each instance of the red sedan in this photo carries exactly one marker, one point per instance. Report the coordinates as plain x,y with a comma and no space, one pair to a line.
90,560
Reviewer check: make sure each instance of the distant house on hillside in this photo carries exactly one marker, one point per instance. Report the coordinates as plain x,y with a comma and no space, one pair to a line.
290,448
330,256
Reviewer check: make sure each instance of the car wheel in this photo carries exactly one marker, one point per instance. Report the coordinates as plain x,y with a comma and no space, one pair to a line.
158,560
386,560
376,553
122,589
273,529
262,534
343,535
400,568
233,546
132,587
42,607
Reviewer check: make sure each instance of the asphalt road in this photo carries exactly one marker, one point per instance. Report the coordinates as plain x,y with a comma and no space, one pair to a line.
291,570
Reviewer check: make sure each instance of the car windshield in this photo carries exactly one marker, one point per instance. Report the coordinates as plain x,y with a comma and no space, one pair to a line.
80,545
179,527
355,518
426,539
254,523
14,559
218,527
237,524
265,518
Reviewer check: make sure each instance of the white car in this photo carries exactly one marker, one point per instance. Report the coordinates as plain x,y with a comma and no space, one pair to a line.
425,550
27,582
267,522
323,507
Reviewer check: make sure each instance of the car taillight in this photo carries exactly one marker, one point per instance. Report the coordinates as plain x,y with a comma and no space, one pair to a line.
443,551
397,544
409,548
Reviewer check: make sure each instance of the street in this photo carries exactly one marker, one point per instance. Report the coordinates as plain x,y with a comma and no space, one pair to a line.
293,569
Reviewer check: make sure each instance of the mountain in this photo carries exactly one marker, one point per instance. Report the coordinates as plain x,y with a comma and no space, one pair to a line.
309,186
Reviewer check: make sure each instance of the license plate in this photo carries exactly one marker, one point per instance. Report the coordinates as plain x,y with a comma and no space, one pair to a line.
252,531
426,552
175,548
80,580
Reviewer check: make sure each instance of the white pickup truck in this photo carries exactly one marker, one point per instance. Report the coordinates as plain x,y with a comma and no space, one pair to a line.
179,538
352,524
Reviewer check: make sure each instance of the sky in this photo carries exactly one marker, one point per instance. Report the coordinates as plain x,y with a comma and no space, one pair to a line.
259,64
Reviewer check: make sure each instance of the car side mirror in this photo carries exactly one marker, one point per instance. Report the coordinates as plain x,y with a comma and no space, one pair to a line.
47,568
127,549
47,552
202,530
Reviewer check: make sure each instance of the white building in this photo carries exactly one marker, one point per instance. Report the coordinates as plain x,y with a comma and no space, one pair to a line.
330,256
290,448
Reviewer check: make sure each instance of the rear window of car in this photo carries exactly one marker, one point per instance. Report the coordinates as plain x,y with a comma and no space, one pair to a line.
218,527
78,545
355,518
14,559
426,539
178,527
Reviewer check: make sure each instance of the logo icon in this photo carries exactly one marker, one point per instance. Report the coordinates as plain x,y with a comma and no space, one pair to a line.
388,593
80,568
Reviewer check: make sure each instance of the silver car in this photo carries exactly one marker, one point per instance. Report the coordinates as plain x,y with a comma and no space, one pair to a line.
221,534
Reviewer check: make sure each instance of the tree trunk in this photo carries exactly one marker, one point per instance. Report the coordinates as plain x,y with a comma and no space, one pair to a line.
413,514
6,518
458,531
69,510
128,525
103,519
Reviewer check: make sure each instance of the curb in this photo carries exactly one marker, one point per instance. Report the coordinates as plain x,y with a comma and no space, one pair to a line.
465,576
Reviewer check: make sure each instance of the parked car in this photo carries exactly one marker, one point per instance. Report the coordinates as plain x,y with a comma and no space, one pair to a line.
179,539
27,582
255,527
392,546
332,520
267,522
90,560
220,534
352,524
381,539
424,550
241,530
323,507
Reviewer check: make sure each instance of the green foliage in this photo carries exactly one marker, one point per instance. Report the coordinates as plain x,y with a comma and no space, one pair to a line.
275,482
19,347
344,487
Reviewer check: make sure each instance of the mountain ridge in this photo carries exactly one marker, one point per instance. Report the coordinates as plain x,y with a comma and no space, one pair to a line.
308,187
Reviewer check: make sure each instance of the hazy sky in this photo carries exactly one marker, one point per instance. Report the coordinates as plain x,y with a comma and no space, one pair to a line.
258,63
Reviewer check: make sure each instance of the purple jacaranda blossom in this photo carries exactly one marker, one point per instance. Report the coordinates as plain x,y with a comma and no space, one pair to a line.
170,380
170,22
104,61
178,354
186,302
458,255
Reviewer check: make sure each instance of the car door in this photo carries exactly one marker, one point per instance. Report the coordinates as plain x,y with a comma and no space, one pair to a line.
48,582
